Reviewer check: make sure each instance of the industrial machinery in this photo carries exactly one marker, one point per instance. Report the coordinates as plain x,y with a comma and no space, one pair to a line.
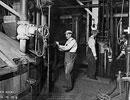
17,58
26,30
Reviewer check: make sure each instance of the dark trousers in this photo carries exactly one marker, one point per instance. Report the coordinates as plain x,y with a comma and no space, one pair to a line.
69,62
91,64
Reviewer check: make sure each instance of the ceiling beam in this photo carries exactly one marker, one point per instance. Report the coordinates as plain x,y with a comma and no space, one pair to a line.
90,5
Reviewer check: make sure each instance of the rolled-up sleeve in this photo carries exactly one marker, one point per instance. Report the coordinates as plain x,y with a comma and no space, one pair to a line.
67,46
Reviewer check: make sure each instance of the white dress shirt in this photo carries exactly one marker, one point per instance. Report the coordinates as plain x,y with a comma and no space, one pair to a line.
70,45
91,44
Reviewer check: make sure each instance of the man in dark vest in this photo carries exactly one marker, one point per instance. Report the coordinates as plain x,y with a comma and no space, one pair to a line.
70,48
92,56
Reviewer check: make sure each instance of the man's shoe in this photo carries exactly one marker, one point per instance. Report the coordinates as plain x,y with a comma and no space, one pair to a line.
68,89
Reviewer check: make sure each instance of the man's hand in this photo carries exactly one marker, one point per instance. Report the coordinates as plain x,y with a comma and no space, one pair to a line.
57,43
118,58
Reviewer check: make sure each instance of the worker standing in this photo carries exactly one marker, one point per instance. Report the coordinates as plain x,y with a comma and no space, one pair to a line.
92,56
70,48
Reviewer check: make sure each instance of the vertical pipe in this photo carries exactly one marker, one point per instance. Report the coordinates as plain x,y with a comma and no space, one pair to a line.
23,5
34,17
95,12
87,26
38,19
128,60
87,30
23,45
38,15
107,20
105,62
49,16
76,28
116,38
43,19
128,47
111,24
111,38
73,24
48,53
102,25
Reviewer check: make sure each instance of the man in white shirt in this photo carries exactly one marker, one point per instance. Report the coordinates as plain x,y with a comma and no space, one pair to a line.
123,50
92,56
70,48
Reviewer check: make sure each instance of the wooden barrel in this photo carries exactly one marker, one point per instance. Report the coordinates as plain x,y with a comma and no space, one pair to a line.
12,87
13,78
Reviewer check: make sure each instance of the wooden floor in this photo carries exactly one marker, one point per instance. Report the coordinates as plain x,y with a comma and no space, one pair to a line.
84,88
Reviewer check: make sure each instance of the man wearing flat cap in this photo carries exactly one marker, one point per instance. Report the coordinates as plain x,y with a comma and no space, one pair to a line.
70,48
92,55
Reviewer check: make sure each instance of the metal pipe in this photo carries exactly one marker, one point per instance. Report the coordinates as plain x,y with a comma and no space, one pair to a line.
37,15
23,6
118,15
87,30
105,62
128,60
43,19
95,12
38,18
111,28
76,29
48,52
10,9
49,15
85,8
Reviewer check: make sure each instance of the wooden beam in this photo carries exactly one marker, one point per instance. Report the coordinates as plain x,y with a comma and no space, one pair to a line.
10,9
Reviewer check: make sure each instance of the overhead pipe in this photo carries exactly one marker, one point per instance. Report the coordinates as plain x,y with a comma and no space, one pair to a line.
10,9
94,15
80,3
118,15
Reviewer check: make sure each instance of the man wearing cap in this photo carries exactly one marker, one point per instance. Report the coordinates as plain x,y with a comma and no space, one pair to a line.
70,48
92,56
